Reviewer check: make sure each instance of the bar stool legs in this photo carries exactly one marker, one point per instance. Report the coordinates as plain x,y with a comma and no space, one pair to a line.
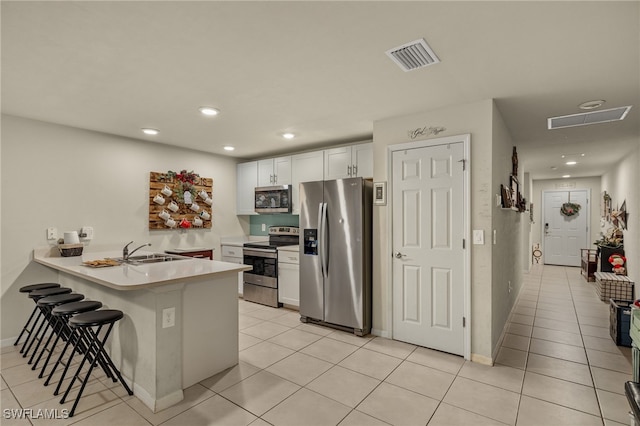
29,289
37,295
85,323
64,313
64,316
46,305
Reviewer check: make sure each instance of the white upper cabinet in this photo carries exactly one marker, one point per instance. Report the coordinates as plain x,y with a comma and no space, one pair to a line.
349,161
307,167
334,163
274,171
247,180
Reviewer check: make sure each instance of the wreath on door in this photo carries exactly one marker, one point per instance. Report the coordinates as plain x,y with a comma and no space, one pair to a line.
570,209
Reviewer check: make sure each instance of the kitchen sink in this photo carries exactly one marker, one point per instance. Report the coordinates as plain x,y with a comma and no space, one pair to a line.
152,258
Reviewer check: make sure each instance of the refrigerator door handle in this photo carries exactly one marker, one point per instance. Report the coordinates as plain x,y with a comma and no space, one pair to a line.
319,242
324,254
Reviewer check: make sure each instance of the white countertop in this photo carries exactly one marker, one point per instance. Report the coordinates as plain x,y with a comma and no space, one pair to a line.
134,277
239,241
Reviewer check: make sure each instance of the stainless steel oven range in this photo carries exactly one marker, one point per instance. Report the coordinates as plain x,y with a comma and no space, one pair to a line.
261,282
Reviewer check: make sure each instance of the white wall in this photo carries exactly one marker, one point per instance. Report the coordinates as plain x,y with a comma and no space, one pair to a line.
621,183
506,257
56,176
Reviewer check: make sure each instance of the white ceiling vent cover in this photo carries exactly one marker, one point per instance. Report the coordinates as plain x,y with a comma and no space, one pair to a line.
585,118
414,55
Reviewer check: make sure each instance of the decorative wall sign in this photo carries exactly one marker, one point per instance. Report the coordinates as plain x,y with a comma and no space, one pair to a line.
606,205
619,216
515,191
179,200
425,131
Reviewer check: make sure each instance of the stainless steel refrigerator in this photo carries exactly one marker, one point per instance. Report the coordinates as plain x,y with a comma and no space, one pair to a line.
335,253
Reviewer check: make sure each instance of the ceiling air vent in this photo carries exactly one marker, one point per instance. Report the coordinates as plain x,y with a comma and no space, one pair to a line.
585,118
414,55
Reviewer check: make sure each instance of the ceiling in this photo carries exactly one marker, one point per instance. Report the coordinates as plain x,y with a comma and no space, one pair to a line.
319,70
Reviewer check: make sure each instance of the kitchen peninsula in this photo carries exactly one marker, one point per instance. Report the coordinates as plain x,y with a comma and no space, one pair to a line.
181,317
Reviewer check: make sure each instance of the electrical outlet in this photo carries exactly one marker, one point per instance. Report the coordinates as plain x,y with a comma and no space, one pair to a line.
87,232
52,234
168,317
264,227
495,238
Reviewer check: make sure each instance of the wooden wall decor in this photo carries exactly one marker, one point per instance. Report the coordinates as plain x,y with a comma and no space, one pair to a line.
180,196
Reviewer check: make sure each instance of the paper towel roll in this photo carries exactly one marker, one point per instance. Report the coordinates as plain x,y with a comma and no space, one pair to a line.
71,237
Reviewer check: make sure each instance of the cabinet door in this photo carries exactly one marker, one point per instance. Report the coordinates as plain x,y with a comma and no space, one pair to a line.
337,163
282,170
289,284
307,167
234,259
247,180
362,160
266,174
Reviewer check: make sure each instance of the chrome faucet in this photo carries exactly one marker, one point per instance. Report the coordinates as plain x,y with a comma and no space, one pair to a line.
125,250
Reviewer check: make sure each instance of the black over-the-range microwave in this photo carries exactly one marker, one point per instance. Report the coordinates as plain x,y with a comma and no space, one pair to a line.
273,199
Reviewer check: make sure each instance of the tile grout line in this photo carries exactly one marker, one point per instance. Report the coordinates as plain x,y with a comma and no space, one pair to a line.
602,418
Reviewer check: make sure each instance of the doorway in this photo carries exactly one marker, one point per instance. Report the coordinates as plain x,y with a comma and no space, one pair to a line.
430,264
565,232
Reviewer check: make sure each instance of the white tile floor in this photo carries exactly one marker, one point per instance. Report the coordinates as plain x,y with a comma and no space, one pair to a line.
557,366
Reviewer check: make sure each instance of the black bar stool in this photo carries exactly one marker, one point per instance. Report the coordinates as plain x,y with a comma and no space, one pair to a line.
29,289
65,312
84,323
37,295
46,305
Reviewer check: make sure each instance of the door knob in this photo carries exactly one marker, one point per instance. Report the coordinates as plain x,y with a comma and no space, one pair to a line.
399,255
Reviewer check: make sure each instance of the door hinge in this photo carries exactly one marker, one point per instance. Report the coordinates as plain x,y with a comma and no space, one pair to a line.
464,243
464,322
464,163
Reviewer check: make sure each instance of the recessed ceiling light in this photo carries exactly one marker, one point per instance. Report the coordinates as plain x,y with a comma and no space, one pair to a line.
288,135
571,163
554,168
591,104
149,131
205,110
229,148
566,176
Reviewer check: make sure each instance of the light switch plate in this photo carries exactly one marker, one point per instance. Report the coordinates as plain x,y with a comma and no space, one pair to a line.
478,236
168,317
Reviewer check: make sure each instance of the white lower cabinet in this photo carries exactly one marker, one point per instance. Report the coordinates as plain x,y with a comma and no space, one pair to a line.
289,277
233,254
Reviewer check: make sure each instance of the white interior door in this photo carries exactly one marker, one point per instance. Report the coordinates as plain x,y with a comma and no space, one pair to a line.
428,259
564,236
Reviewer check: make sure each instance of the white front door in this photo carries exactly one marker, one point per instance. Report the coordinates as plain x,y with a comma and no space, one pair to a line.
428,254
564,236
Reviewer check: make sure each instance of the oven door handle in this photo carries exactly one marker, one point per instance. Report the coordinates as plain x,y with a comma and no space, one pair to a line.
324,248
268,253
